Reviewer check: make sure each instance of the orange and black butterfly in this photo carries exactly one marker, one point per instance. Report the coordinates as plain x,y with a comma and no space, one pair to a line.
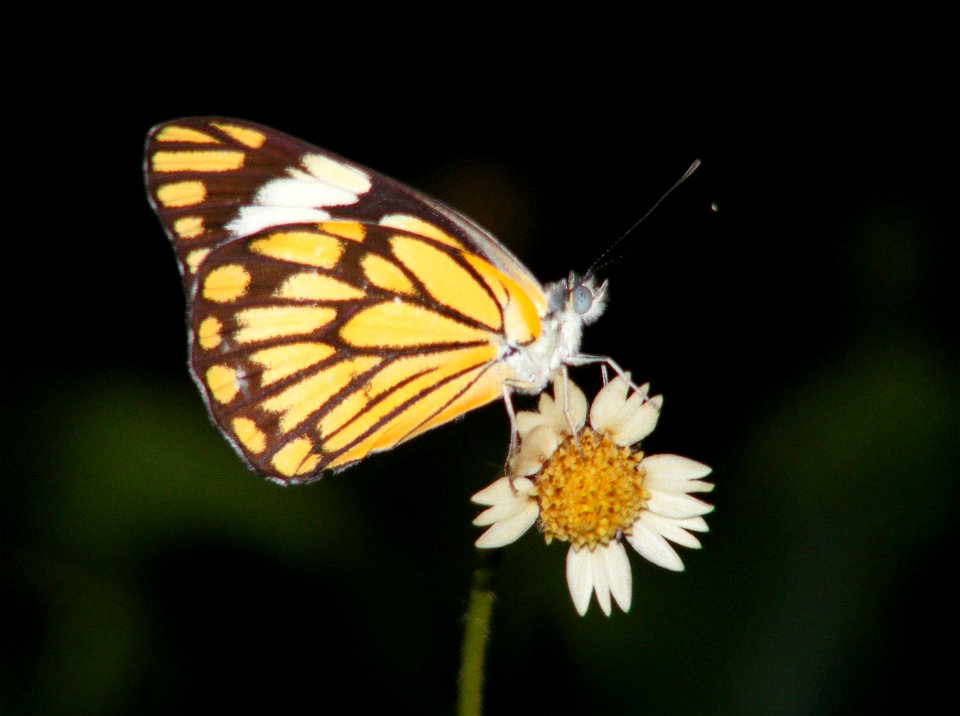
334,312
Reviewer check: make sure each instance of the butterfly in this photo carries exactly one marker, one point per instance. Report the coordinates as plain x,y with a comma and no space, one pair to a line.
334,312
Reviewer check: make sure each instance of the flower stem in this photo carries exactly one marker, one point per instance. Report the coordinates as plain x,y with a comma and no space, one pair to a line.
476,634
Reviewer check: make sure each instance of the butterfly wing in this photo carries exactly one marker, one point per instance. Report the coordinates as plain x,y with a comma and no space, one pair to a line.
333,312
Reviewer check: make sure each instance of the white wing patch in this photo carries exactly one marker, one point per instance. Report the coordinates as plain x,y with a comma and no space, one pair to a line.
337,174
252,219
301,197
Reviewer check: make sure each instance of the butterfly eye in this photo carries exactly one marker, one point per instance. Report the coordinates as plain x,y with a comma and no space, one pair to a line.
582,299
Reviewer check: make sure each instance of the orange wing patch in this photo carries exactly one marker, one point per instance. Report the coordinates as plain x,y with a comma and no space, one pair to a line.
181,193
398,384
447,281
309,248
274,322
213,160
400,324
416,225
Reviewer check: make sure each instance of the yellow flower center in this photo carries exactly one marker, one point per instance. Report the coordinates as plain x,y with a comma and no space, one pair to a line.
589,494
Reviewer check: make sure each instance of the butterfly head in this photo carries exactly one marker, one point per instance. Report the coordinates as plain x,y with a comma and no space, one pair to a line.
580,299
571,303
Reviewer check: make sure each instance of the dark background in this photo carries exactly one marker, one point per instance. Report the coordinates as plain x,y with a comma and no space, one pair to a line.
800,334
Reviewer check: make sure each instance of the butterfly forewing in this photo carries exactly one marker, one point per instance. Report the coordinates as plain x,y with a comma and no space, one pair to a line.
213,179
333,312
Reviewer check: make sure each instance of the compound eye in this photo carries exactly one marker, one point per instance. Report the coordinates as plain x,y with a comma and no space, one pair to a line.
582,299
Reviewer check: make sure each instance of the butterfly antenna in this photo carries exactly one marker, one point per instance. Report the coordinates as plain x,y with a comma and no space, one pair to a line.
597,265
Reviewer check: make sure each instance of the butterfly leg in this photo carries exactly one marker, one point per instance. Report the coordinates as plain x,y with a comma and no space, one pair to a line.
527,387
514,433
511,413
606,362
566,405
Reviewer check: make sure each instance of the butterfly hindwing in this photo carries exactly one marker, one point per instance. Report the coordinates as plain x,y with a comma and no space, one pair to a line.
314,350
333,312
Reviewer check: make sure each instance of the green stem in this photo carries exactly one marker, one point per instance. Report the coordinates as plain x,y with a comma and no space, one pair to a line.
476,634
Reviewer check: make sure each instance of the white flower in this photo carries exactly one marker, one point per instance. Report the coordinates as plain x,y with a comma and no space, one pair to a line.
590,487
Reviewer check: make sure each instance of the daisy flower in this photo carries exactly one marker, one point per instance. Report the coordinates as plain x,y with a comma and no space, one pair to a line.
590,486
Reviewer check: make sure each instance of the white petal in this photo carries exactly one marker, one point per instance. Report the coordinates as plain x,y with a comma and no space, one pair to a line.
619,574
554,409
676,487
674,468
601,581
540,443
575,405
509,530
580,578
605,411
653,547
501,511
501,491
527,420
545,403
638,425
697,524
635,400
677,505
523,465
551,414
700,486
656,483
670,529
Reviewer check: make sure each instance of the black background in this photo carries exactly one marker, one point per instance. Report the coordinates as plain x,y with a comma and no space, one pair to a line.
801,334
